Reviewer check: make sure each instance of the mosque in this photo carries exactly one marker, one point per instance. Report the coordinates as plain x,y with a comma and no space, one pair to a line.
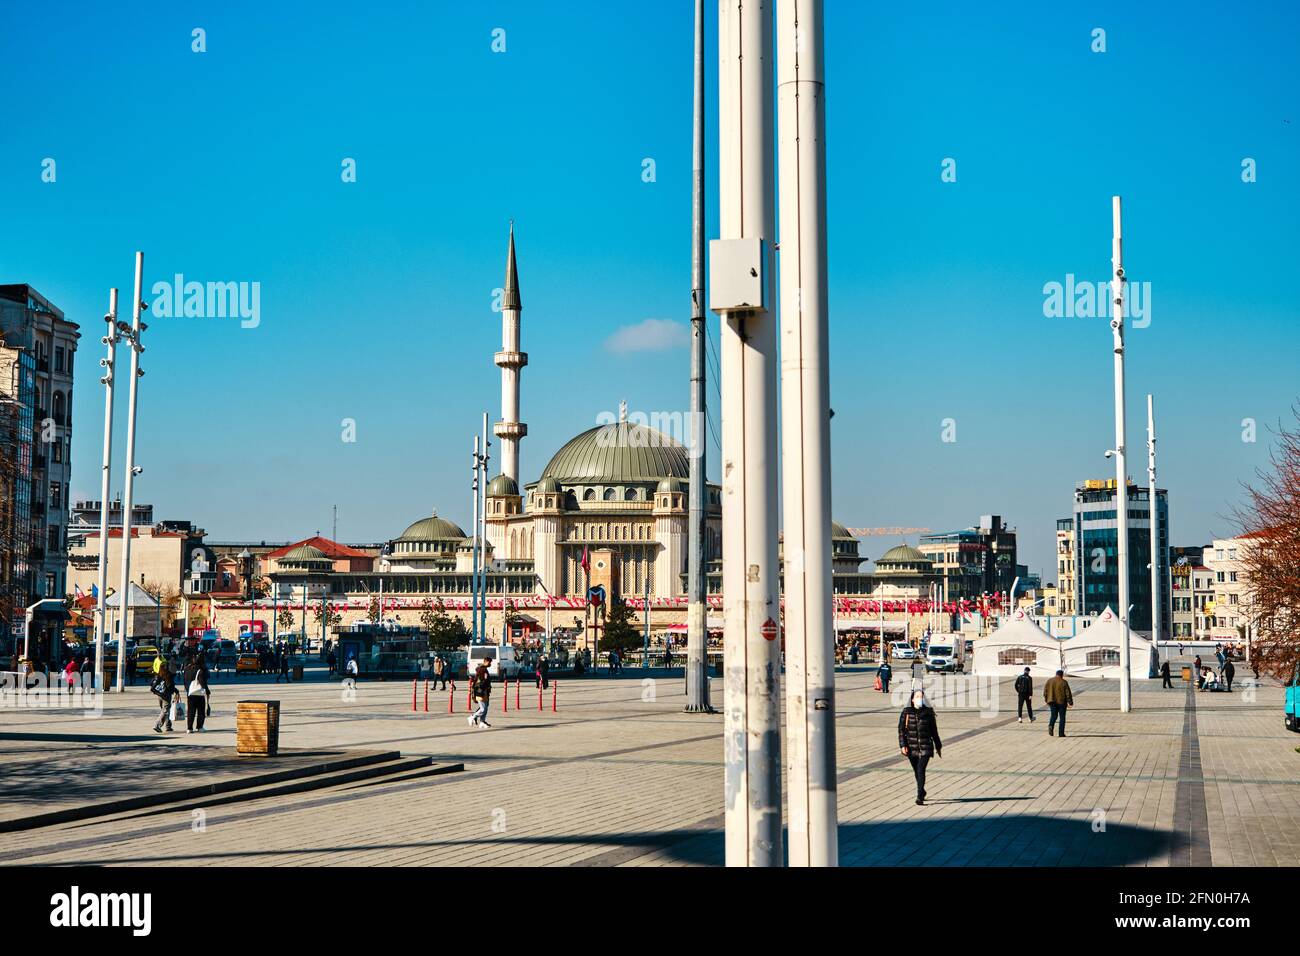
616,493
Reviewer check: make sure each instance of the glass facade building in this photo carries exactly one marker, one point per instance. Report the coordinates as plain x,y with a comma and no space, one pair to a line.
1096,541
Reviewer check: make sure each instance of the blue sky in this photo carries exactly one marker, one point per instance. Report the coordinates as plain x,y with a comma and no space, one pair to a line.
376,295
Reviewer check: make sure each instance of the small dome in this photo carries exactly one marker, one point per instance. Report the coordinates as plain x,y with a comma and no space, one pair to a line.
548,486
903,554
433,528
841,533
673,485
305,552
502,485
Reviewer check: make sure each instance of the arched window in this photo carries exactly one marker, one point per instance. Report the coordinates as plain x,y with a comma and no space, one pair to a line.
589,494
631,495
58,408
611,494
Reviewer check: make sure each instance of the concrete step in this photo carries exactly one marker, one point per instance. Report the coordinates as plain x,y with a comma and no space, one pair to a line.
258,778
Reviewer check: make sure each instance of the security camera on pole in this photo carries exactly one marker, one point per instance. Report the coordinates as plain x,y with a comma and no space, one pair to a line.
741,290
1121,472
132,337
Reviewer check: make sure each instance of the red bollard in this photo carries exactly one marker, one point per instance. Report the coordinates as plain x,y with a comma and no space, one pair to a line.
505,697
426,696
469,698
516,693
414,684
539,696
451,700
555,695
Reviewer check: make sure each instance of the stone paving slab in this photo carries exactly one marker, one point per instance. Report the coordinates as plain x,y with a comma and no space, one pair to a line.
620,776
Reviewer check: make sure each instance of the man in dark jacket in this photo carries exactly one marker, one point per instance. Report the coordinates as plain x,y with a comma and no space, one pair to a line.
1165,680
1229,671
1056,693
885,673
1024,696
918,738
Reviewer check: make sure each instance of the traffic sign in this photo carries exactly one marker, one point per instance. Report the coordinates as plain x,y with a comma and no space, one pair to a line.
768,630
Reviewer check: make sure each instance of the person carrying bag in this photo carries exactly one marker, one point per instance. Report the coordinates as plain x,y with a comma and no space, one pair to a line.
196,689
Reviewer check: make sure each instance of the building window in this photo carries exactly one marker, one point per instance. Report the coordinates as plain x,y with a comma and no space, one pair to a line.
52,533
56,494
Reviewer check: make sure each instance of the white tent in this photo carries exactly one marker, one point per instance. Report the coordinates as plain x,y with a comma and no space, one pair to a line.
1094,651
1017,644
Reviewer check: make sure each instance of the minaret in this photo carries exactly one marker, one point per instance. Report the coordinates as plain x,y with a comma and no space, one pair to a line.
510,429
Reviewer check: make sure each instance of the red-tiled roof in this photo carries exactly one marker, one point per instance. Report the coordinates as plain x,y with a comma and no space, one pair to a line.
331,549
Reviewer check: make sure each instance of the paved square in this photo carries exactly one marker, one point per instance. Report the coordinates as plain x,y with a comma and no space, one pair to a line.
620,776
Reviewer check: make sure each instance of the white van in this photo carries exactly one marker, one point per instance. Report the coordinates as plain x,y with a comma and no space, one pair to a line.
946,653
902,651
501,661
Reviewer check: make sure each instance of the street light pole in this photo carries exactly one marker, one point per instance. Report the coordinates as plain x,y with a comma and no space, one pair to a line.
1121,471
806,436
473,574
697,625
750,457
1154,521
101,604
133,339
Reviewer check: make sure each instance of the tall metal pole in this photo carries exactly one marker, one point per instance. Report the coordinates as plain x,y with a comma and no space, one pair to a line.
482,517
1121,471
1154,522
752,738
473,578
806,436
128,495
101,606
697,624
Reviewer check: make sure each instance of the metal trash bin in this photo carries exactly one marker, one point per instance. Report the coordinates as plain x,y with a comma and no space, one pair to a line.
257,728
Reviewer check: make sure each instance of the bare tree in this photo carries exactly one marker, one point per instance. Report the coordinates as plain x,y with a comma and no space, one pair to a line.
1270,556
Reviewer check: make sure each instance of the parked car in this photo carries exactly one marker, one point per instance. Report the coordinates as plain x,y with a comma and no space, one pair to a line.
227,653
902,651
145,655
944,656
1293,700
501,661
248,663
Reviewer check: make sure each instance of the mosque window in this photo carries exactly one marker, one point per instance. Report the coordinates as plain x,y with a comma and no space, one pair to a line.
589,494
631,495
610,494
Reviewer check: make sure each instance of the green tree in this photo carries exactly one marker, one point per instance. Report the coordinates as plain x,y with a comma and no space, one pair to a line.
620,634
446,633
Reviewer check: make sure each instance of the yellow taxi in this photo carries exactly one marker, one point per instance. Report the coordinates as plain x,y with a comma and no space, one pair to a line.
248,663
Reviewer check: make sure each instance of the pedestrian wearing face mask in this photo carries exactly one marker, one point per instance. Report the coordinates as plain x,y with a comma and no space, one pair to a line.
918,738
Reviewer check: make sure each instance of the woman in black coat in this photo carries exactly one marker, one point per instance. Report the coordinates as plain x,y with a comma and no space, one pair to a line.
918,738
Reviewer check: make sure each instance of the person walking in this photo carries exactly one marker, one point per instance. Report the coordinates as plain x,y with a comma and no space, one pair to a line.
350,670
918,738
1198,670
1229,672
331,661
885,673
1024,697
1165,679
70,673
439,672
481,688
1057,695
544,673
164,688
196,695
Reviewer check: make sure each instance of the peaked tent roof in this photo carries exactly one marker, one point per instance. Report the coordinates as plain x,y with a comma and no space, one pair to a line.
330,549
136,597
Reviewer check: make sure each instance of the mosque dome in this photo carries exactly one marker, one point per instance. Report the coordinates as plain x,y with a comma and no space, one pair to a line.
670,486
618,452
502,485
548,486
903,554
433,528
